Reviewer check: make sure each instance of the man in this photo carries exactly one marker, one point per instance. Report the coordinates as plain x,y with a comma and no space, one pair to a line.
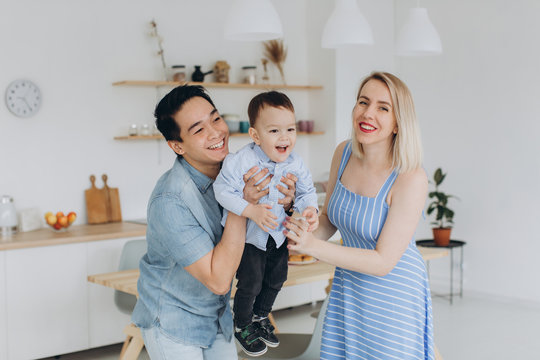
185,277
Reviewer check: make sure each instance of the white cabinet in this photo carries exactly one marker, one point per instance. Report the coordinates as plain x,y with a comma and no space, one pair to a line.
46,300
105,321
3,310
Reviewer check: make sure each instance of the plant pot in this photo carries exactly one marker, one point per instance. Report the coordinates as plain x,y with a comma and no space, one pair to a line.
441,236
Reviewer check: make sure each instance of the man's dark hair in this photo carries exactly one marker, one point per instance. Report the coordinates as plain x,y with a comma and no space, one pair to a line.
269,98
171,104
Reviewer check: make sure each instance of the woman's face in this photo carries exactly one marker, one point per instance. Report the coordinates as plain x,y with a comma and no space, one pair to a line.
373,115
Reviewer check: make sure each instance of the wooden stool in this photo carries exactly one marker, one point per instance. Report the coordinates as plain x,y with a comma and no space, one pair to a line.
133,345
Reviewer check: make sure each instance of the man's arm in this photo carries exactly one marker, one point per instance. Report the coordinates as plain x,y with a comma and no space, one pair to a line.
216,269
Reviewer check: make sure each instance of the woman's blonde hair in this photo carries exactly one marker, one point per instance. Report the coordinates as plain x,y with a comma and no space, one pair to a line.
406,147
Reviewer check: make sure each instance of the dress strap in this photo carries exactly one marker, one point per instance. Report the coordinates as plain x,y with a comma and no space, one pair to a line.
383,192
344,158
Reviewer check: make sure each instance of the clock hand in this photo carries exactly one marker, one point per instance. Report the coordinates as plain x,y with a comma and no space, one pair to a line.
26,102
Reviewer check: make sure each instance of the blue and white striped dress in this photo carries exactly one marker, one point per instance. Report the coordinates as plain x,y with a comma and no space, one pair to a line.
374,317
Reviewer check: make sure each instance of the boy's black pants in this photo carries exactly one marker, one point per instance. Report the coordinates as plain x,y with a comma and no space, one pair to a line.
261,275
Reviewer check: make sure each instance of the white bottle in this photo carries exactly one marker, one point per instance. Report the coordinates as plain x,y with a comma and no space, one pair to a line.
8,216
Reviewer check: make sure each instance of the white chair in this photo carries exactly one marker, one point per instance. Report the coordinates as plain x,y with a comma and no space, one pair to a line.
297,346
132,252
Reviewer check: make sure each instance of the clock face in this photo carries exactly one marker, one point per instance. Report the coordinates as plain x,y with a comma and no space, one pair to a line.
23,98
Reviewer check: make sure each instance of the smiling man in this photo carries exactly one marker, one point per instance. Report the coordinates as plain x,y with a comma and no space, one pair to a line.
183,307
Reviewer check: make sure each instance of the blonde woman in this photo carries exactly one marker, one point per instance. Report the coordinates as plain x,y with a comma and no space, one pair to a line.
380,303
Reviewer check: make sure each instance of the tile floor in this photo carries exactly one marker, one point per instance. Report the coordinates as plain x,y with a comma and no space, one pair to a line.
471,328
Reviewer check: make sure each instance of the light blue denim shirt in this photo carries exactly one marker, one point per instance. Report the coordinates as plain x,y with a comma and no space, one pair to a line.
183,226
229,186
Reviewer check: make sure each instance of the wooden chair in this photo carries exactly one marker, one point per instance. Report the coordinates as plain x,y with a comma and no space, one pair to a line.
132,252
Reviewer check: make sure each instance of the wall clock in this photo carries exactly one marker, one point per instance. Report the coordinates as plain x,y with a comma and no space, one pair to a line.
23,98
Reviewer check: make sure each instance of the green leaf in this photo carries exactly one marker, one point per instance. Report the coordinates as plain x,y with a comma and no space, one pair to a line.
438,176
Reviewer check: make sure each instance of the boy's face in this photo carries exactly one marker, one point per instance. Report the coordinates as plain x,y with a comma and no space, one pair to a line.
275,132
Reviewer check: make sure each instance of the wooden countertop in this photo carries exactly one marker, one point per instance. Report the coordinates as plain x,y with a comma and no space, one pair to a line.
74,234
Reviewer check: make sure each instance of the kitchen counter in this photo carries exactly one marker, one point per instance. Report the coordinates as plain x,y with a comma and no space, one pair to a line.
74,234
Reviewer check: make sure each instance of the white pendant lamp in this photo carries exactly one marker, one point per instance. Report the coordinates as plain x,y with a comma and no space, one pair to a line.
418,36
253,20
346,26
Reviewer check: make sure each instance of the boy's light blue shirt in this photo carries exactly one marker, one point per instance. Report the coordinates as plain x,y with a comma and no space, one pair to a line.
229,186
184,224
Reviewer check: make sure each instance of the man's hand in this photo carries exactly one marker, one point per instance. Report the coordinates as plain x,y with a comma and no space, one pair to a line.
261,216
289,191
253,190
310,213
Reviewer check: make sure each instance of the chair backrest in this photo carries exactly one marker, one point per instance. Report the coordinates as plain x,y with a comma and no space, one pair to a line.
132,252
313,350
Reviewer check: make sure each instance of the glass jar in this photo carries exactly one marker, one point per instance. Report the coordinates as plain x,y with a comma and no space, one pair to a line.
178,73
249,74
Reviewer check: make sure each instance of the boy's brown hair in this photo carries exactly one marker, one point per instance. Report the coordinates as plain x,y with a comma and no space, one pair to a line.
270,98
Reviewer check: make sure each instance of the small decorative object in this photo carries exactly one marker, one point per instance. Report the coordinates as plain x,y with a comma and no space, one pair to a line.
59,221
8,217
155,34
198,75
244,126
178,73
265,78
23,98
145,130
233,122
133,130
310,124
444,216
248,74
221,71
30,219
302,125
276,53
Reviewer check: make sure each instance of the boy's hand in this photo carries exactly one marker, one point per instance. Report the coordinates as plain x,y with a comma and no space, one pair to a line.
261,216
310,213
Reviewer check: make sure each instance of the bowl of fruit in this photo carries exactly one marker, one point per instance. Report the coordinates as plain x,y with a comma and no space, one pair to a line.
59,221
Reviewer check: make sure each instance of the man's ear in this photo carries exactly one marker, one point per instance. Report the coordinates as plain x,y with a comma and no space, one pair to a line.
176,146
254,136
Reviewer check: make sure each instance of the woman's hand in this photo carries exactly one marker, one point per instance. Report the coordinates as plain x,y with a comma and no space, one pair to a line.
253,191
299,238
289,191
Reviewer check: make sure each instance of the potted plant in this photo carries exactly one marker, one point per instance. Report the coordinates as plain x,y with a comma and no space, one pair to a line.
443,215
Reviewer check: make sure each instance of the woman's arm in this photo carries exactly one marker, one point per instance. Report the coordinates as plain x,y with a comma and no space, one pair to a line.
408,199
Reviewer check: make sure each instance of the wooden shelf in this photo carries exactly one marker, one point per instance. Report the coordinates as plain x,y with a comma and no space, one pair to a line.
159,137
216,85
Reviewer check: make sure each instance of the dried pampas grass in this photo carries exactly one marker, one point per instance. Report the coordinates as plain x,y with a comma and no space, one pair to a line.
276,52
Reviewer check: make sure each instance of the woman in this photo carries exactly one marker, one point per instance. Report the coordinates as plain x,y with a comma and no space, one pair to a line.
380,303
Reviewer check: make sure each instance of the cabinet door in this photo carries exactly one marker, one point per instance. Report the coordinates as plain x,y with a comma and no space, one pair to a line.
106,322
3,313
46,301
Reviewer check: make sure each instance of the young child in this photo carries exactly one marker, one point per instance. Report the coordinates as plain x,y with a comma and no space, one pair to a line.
263,268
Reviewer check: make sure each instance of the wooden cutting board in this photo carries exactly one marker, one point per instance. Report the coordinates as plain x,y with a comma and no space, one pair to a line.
96,204
102,205
114,212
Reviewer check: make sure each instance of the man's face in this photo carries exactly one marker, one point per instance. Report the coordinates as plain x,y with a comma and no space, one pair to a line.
205,136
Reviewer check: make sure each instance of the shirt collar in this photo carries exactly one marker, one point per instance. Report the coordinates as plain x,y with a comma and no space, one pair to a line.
202,181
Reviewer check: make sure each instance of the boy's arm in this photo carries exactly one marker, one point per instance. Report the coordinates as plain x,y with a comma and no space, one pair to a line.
229,186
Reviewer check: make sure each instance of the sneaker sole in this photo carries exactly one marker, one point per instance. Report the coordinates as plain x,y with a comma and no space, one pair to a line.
252,353
269,343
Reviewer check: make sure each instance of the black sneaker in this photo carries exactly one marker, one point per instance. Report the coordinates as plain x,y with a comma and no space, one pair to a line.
267,333
248,338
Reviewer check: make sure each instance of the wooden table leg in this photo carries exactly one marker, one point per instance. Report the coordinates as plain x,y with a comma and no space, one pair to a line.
438,355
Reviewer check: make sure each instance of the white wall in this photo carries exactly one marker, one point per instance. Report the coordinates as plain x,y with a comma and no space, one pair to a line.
477,105
75,50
